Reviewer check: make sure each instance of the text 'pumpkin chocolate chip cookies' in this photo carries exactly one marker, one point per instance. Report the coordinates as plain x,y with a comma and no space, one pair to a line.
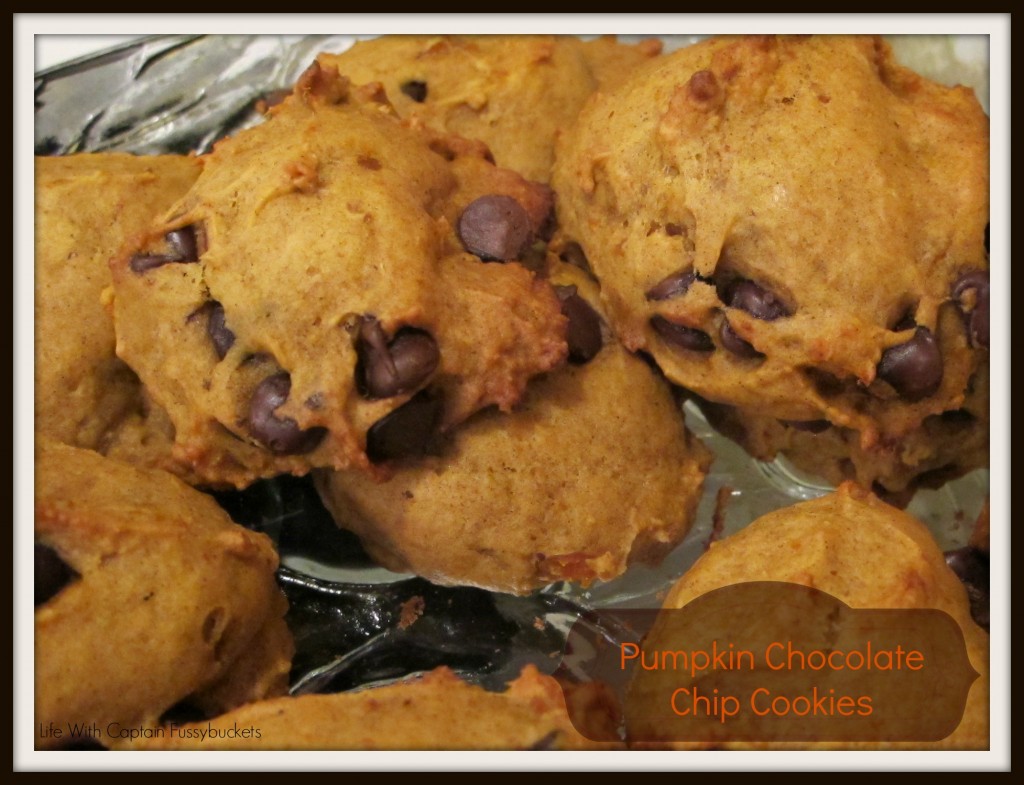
594,470
309,303
146,595
867,555
795,227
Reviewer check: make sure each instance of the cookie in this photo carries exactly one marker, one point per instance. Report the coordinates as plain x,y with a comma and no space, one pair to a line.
794,227
438,711
147,595
320,297
593,471
866,554
944,447
513,92
87,207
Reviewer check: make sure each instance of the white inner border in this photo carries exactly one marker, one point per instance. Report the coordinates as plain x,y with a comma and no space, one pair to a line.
27,26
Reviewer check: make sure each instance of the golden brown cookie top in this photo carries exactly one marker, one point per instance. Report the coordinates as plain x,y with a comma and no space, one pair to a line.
295,299
790,224
513,92
146,594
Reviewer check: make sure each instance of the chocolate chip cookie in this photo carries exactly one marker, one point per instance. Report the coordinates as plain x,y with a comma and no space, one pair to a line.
513,92
147,595
438,711
795,227
592,471
331,293
87,207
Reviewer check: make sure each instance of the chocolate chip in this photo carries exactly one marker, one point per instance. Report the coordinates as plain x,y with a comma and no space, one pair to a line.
986,238
976,312
217,328
584,331
141,263
913,368
738,346
185,249
386,369
52,574
573,254
416,90
495,227
681,336
280,435
808,426
183,242
407,431
675,285
971,566
755,300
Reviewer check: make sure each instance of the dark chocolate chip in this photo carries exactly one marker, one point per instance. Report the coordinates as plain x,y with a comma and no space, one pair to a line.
731,341
986,238
809,426
675,285
584,331
388,368
143,262
976,314
681,336
415,89
495,227
51,575
914,368
183,242
755,300
407,431
971,566
185,249
280,435
573,254
217,328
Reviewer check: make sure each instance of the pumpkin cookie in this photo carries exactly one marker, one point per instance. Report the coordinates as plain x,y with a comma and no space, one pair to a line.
437,711
319,298
147,595
88,207
592,471
794,227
